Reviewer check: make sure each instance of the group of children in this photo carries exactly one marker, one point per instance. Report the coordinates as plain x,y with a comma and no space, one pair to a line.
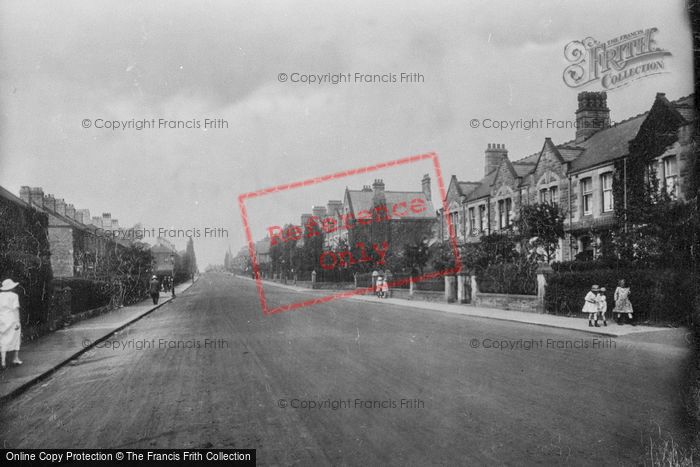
596,305
381,287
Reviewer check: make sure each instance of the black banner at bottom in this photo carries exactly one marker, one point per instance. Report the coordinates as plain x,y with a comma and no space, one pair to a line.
63,456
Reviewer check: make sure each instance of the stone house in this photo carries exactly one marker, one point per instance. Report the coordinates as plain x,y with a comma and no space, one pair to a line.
578,175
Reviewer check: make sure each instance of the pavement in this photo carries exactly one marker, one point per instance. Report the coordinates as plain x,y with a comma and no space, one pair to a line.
42,356
539,319
353,382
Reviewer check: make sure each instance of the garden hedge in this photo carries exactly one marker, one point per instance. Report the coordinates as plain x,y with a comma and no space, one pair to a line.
658,296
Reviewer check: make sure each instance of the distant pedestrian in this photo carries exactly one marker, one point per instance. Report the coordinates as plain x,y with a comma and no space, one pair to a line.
602,303
623,307
379,286
591,306
10,329
154,289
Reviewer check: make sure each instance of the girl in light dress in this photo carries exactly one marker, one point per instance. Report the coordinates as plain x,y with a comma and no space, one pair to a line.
590,306
623,307
602,302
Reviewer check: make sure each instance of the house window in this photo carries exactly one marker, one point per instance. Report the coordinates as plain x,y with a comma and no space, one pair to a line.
554,195
482,218
509,208
523,196
587,195
606,186
472,221
651,172
544,195
671,175
453,223
504,215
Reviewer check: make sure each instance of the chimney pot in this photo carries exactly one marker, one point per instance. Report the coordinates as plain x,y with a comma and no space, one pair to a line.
494,155
592,114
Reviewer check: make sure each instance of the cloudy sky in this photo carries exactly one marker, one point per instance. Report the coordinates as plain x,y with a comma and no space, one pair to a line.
63,62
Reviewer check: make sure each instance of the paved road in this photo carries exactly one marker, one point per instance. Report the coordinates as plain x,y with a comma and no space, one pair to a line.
475,405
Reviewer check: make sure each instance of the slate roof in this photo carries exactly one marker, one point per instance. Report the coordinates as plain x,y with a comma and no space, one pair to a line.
362,200
604,146
484,188
523,168
612,143
466,187
8,195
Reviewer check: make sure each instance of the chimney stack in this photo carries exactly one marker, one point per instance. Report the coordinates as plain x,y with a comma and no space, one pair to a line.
319,211
425,184
60,206
70,211
494,155
24,194
97,221
115,224
50,203
378,186
83,216
592,115
36,196
334,206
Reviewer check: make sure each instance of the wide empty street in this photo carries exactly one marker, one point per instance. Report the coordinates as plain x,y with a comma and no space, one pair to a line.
354,382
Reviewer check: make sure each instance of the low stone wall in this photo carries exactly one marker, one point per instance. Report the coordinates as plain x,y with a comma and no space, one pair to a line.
528,303
425,295
334,285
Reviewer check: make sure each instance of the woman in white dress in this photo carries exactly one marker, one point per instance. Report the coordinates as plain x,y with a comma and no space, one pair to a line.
9,321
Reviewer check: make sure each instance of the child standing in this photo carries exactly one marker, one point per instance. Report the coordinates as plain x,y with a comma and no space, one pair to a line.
623,306
379,285
591,306
602,303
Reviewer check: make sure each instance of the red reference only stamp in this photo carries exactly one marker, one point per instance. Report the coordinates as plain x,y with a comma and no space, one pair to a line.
373,228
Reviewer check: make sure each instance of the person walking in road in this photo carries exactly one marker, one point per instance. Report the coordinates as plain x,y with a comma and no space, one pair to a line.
602,303
154,289
10,329
591,306
623,307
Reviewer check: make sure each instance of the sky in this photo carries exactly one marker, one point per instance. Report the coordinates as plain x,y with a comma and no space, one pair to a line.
64,62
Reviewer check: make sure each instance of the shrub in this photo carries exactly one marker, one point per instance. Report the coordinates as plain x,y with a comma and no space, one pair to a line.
86,294
658,296
508,278
25,258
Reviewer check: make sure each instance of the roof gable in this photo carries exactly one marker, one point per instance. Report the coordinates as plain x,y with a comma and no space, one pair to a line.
360,200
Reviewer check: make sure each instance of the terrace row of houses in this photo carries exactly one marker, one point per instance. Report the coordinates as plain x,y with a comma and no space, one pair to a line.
395,217
577,175
81,244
